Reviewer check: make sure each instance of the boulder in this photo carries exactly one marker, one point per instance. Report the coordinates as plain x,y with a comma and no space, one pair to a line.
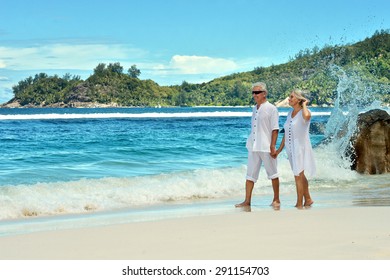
13,103
282,103
371,143
79,94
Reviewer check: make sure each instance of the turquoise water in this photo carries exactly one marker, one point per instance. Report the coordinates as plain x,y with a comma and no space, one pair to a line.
131,164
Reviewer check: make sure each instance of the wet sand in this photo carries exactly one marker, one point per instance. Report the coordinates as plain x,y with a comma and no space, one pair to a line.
350,233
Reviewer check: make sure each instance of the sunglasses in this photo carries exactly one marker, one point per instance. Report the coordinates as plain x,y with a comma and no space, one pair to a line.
258,92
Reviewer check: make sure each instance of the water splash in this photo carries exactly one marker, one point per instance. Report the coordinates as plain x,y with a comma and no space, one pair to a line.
355,95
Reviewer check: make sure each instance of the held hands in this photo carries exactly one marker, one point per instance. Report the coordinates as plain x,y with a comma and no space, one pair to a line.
274,152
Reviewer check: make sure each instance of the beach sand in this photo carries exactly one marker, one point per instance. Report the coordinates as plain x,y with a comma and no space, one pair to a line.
354,233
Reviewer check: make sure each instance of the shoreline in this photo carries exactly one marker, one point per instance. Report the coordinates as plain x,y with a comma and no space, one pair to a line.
316,233
323,199
94,105
183,209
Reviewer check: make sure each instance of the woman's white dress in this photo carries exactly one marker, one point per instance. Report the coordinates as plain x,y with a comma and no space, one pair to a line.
298,146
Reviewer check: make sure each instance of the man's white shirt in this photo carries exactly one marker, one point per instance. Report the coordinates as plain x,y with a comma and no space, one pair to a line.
265,119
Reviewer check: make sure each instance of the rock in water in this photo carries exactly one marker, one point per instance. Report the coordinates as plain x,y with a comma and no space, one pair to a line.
371,143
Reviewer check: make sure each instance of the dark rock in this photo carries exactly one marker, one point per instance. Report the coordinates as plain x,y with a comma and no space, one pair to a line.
79,94
370,151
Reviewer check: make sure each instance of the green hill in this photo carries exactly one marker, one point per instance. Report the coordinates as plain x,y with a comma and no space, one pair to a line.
309,70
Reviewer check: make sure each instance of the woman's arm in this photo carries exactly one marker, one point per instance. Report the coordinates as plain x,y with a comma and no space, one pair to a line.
280,148
305,112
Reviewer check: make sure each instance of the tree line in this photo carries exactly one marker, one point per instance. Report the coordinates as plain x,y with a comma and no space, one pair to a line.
309,70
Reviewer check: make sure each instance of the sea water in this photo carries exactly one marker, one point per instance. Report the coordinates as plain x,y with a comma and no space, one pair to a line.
69,167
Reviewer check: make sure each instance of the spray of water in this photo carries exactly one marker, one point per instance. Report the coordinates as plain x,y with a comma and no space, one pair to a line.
355,95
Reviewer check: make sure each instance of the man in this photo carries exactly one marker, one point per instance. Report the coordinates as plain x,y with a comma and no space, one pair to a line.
261,144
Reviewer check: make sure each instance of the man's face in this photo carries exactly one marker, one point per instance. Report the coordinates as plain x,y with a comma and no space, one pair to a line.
258,94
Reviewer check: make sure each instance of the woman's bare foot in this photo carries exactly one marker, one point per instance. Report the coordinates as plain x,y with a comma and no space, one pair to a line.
308,203
298,206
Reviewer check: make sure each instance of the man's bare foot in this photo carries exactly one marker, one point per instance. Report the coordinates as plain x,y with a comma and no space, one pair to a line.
308,203
243,204
275,203
298,206
245,208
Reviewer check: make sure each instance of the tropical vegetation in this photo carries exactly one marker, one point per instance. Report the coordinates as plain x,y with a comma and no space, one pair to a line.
310,70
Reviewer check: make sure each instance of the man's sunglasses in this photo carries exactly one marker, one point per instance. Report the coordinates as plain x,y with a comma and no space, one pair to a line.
258,92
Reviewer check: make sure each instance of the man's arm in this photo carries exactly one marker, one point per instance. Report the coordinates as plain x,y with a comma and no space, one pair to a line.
274,137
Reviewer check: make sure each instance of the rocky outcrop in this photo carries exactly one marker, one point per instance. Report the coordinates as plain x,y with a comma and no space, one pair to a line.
371,143
79,94
79,98
13,103
282,103
71,104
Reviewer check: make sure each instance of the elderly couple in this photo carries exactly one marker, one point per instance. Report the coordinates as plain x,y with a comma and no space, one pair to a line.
262,141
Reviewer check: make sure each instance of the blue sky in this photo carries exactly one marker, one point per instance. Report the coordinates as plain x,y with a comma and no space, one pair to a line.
172,41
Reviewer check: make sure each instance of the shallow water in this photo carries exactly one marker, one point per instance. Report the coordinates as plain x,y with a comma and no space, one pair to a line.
77,167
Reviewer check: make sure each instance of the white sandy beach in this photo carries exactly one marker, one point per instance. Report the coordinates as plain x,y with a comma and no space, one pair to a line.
319,234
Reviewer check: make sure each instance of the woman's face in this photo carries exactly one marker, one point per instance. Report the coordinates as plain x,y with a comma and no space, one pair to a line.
292,100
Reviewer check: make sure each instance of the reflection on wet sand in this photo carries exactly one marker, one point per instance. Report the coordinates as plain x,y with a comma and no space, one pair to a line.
372,195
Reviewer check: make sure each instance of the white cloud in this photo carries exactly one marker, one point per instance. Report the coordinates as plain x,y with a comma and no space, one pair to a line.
185,64
62,56
190,68
82,58
87,56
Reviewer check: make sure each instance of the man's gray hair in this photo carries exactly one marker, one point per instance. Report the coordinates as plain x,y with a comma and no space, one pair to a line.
260,84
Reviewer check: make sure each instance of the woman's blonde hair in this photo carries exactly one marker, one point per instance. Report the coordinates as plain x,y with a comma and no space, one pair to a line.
299,95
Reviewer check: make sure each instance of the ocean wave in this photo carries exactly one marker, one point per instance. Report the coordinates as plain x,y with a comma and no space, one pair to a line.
104,194
114,193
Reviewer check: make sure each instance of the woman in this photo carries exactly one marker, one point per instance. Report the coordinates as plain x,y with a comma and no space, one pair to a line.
298,146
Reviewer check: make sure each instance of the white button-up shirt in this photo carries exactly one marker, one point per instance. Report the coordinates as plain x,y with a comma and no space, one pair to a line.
265,119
